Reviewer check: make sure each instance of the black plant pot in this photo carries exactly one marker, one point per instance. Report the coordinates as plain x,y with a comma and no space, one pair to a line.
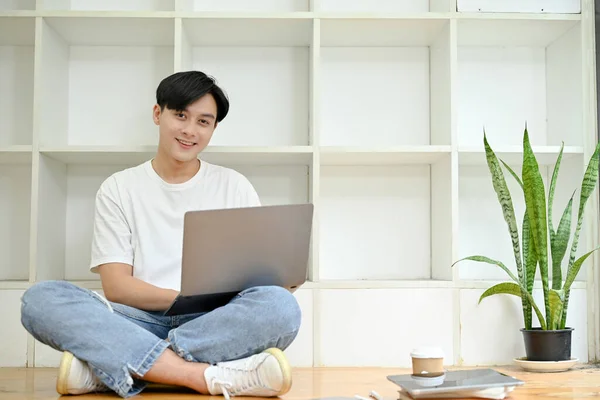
543,345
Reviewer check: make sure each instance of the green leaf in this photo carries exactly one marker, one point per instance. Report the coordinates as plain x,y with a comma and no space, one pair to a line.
530,258
587,187
555,299
508,211
551,191
502,288
572,273
559,244
535,200
515,290
512,276
513,173
506,204
527,315
526,250
489,261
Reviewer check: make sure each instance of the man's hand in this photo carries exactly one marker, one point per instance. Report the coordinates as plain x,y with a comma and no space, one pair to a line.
120,286
292,289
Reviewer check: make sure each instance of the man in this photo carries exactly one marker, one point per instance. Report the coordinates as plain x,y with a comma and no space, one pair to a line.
123,341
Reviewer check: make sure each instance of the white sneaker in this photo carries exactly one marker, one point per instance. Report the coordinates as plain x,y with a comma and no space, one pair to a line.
76,377
266,374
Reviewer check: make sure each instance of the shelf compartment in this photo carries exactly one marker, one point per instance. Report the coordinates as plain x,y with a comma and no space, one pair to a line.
17,37
262,64
244,6
15,214
513,30
377,80
382,6
333,155
482,229
277,184
246,31
113,155
386,222
516,6
348,317
539,63
16,5
361,31
110,5
66,214
94,30
15,155
99,79
13,335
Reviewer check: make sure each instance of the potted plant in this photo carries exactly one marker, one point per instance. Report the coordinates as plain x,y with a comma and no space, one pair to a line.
541,245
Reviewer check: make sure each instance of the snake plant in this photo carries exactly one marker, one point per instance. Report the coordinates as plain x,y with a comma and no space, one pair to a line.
541,244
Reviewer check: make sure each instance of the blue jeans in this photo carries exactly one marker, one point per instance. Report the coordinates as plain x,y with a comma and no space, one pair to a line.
118,341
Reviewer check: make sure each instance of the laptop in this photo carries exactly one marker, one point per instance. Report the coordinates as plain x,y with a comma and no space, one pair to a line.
226,251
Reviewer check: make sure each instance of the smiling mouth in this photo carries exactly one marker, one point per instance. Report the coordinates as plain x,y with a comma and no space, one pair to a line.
185,143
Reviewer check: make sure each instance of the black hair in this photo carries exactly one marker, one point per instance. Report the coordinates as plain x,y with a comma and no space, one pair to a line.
180,89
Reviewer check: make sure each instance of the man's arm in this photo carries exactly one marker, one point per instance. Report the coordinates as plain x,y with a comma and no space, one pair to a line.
112,255
120,286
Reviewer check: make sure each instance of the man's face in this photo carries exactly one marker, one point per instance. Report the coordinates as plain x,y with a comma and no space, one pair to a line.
185,133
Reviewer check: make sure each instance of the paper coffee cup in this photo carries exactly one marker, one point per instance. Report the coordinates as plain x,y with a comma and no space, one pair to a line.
427,361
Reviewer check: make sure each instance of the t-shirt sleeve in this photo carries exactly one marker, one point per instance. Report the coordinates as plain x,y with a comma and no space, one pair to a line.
246,194
111,240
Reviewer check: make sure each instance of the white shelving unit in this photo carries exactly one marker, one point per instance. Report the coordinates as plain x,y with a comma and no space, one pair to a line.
372,110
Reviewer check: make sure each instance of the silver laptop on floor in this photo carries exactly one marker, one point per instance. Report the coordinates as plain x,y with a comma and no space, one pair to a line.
226,251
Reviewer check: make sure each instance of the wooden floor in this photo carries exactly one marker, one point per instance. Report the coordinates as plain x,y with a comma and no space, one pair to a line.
582,382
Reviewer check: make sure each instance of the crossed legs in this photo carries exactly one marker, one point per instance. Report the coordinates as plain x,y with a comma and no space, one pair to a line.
125,353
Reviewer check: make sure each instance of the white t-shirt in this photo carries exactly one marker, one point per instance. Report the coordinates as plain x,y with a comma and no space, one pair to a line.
139,217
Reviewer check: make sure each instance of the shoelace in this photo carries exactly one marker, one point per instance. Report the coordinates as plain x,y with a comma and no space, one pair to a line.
244,380
224,388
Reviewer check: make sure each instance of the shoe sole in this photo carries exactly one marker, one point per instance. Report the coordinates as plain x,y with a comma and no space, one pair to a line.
63,373
285,369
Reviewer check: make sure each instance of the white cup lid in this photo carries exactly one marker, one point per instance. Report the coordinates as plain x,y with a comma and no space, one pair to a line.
427,352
